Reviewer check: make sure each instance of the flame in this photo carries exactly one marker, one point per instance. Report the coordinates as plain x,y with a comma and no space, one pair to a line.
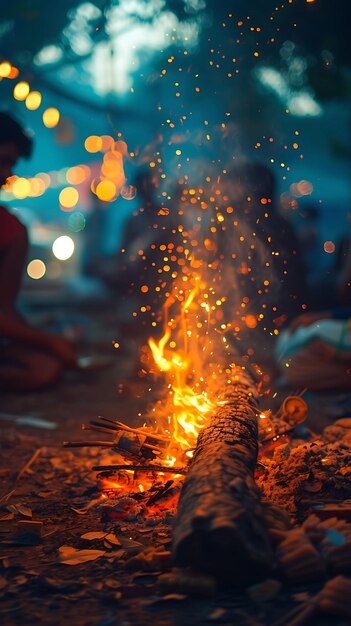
187,406
126,482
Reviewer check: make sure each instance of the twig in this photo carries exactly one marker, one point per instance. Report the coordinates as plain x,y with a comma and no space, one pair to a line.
160,493
7,496
28,464
101,429
138,431
106,444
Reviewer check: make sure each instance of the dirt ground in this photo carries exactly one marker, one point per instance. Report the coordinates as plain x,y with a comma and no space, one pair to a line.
36,584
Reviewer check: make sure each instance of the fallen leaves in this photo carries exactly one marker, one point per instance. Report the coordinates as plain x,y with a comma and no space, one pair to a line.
86,508
150,559
6,517
111,540
93,535
22,509
72,556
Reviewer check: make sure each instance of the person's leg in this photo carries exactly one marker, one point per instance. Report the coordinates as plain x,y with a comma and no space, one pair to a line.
27,370
12,262
319,367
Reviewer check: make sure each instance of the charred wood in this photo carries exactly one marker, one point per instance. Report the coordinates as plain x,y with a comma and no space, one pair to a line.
219,528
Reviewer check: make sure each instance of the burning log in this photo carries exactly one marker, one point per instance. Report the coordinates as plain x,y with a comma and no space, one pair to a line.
219,528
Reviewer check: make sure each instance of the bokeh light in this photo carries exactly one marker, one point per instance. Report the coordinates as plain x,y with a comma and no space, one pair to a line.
128,193
13,73
106,190
305,187
329,247
251,321
37,187
36,269
107,143
45,178
33,100
21,91
93,143
76,175
76,221
121,146
63,247
51,117
5,69
21,188
68,197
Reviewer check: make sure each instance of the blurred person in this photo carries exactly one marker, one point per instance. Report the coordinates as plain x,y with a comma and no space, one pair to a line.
120,269
272,271
307,229
342,270
29,358
328,283
315,351
133,273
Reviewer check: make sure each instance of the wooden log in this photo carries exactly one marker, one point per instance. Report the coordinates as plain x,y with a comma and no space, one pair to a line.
219,527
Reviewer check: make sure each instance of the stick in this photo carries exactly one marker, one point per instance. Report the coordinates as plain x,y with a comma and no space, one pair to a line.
29,463
138,431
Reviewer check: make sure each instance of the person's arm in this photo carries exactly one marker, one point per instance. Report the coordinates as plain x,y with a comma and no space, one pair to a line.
12,327
306,319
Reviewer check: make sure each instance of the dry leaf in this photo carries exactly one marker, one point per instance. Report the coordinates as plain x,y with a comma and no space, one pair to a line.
22,509
94,535
86,508
7,517
111,538
217,615
72,556
79,511
170,597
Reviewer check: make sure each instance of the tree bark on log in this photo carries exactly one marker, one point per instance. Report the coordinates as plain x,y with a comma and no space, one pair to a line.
219,527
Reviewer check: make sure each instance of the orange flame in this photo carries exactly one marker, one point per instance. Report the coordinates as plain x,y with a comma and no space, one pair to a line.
187,406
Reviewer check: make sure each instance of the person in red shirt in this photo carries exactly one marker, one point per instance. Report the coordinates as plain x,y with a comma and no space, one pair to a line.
29,358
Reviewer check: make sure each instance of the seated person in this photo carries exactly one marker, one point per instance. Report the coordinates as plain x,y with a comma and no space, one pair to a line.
29,358
264,269
315,352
